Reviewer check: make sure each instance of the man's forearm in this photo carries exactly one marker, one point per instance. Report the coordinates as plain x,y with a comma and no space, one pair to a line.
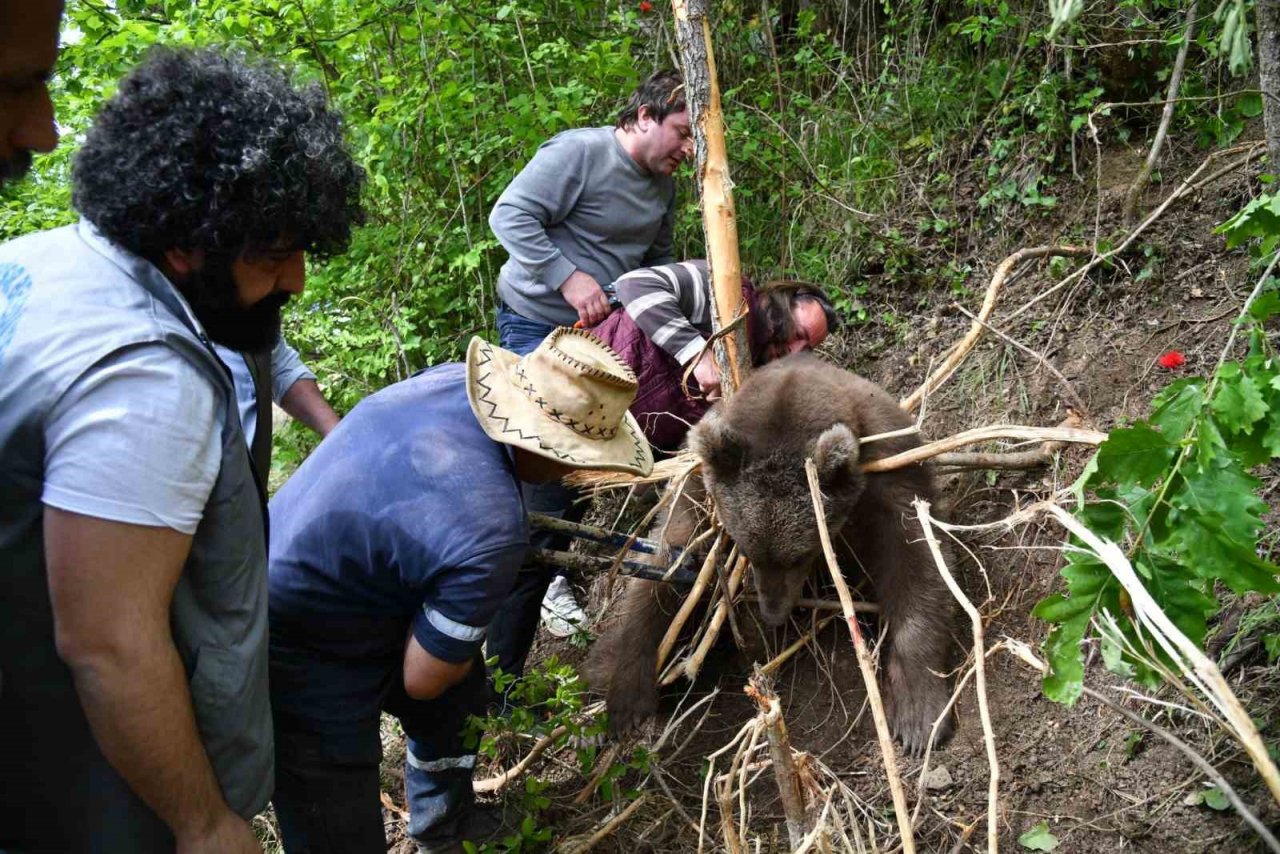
139,708
305,402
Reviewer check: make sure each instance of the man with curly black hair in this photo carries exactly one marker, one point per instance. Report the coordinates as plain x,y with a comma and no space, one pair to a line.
134,710
28,48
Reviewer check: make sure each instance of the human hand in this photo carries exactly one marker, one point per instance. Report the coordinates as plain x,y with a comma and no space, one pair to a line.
229,834
584,293
707,373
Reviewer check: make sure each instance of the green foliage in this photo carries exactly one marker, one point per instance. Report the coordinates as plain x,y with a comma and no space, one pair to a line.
549,696
1211,797
1038,838
1176,491
1234,41
1259,219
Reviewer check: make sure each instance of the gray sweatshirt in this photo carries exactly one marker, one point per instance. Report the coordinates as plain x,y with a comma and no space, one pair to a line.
583,204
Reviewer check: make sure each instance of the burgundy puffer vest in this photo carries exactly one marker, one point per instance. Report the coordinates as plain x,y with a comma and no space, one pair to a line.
665,413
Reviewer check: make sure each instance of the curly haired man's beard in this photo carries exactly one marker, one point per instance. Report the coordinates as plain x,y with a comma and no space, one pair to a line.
211,291
14,167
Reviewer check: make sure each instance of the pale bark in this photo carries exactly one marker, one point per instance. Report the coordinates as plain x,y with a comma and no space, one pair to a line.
702,94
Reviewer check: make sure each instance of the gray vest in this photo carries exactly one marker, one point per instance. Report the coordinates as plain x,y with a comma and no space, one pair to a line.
68,298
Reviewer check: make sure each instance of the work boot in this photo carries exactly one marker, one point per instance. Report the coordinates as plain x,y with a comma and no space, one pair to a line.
479,826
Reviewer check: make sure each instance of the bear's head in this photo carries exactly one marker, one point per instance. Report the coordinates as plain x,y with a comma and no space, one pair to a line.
763,500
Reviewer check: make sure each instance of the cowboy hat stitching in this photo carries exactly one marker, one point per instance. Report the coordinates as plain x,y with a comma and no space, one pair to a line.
485,352
627,381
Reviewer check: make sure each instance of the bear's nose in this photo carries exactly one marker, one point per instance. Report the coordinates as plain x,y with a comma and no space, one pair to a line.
774,615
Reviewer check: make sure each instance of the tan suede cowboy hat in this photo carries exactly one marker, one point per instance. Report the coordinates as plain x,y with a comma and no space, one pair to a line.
567,401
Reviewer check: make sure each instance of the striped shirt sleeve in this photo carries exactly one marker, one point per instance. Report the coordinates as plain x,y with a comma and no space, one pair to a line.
671,305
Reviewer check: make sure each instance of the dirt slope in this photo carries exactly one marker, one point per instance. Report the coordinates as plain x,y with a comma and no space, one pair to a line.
1099,784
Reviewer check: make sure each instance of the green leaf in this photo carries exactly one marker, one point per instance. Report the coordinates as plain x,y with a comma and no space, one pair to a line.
1238,402
1134,454
1214,798
1038,838
1065,680
1113,658
1265,306
1216,558
1174,408
1250,104
1260,218
1221,496
1087,582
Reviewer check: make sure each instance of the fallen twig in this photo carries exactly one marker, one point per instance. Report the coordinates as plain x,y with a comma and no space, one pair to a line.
596,565
985,434
1187,186
681,465
496,784
691,600
760,689
571,847
961,350
1194,664
695,661
980,672
1068,390
591,532
603,762
782,657
1175,82
901,813
1024,653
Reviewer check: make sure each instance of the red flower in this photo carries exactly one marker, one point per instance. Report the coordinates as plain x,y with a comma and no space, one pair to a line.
646,6
1171,360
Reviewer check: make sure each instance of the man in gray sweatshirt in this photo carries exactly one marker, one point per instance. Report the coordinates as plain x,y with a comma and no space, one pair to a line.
592,204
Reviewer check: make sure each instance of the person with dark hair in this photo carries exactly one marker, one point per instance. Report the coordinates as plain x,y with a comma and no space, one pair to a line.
592,204
134,712
665,327
28,49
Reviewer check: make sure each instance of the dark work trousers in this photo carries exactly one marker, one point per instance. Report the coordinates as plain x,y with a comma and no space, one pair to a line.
326,709
512,630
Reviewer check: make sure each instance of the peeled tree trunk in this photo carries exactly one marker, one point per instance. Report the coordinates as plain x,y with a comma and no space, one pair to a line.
702,94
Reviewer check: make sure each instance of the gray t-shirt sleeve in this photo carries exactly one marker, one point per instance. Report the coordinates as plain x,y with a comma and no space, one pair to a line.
286,369
542,195
135,439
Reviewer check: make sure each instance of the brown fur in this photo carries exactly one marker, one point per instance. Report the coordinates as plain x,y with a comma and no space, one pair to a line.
753,451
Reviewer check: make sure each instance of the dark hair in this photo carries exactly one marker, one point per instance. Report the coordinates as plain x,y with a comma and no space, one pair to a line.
771,322
206,149
662,93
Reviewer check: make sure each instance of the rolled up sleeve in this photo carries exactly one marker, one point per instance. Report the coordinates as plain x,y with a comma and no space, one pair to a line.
286,369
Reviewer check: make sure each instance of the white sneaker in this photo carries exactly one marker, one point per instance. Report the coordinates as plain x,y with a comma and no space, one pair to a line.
561,613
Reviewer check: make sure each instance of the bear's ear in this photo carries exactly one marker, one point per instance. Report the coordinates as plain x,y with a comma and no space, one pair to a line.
835,453
718,445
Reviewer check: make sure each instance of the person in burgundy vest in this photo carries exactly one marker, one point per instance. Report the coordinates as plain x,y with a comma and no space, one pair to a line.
665,326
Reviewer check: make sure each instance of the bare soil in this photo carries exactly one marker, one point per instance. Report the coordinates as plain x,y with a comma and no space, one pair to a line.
1099,783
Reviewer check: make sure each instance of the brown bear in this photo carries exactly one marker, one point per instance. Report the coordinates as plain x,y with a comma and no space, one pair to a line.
753,450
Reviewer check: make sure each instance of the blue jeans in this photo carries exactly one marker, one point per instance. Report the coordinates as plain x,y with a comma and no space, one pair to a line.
328,749
512,631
